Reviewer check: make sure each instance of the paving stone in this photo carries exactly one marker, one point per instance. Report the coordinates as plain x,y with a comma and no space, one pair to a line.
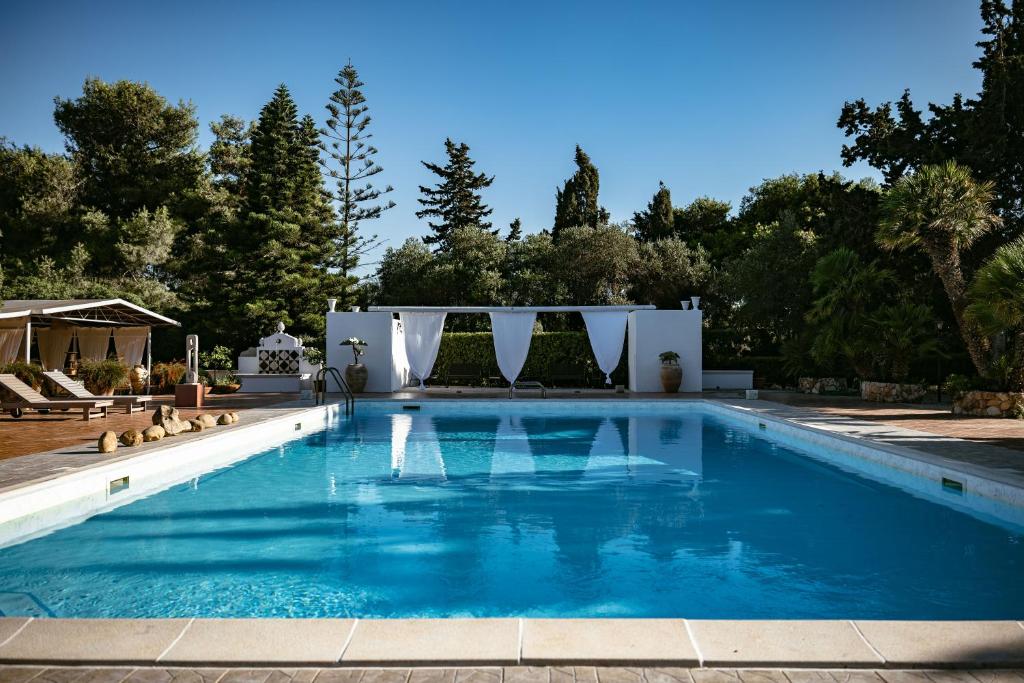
430,676
338,676
562,674
59,675
921,644
855,677
613,674
584,674
996,676
904,676
426,642
19,674
477,675
204,675
79,641
807,676
607,641
780,643
261,641
385,676
150,675
246,676
525,674
715,675
667,675
763,676
102,675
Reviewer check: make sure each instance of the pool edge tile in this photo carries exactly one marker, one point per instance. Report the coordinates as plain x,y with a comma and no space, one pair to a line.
87,641
259,642
782,643
425,642
608,642
941,644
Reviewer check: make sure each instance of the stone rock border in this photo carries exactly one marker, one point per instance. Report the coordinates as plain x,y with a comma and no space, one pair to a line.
989,404
892,392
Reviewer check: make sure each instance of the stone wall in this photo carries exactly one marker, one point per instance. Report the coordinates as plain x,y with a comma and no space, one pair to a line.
989,404
890,392
822,385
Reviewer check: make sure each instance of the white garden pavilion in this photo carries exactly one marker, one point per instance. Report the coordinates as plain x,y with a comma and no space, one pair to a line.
85,327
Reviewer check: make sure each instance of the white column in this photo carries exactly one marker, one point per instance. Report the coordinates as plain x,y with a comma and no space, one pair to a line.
28,340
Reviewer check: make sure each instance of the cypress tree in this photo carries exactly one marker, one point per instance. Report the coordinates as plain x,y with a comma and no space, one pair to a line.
358,200
658,221
576,203
456,200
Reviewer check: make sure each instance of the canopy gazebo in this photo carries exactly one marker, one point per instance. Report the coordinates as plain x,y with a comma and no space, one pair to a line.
84,327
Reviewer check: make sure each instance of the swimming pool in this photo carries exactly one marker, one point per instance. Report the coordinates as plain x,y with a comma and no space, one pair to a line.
529,508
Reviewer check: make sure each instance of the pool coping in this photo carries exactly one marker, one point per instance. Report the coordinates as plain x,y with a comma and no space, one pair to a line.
815,644
358,643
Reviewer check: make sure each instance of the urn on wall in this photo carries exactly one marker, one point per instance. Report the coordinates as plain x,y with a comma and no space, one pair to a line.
356,373
671,372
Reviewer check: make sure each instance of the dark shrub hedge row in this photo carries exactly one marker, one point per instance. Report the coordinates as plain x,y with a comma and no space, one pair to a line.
548,351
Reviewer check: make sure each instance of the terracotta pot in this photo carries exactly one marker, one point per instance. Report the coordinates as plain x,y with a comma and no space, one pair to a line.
671,377
137,377
356,375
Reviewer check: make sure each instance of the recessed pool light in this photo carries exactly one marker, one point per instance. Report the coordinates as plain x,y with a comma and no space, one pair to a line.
952,485
410,407
118,485
298,426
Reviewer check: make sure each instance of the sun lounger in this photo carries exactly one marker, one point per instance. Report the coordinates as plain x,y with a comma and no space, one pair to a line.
132,404
27,397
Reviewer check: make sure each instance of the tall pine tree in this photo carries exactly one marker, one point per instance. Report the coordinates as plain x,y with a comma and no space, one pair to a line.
576,203
658,220
456,199
280,251
515,230
353,158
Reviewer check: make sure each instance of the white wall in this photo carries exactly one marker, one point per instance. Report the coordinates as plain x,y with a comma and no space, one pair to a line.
650,333
385,351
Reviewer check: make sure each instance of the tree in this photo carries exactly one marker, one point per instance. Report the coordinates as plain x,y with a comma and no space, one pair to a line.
357,199
515,230
576,203
997,301
230,155
271,180
942,210
705,222
985,133
594,265
455,200
658,220
669,271
133,150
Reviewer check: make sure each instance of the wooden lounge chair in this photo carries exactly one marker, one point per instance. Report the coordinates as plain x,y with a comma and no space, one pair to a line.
132,404
27,397
467,372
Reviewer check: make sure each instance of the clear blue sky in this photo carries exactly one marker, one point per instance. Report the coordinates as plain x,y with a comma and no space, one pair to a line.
710,97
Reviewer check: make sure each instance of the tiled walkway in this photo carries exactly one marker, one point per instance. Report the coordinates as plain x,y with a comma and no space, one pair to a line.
494,675
35,433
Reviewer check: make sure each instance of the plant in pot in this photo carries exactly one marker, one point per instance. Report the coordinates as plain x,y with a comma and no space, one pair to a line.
225,384
314,356
29,373
671,372
355,372
103,377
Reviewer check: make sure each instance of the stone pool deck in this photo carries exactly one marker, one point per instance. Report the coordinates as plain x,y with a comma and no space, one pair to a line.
568,674
512,642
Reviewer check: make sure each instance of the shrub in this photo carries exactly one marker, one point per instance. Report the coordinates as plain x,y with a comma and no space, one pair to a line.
29,373
166,375
548,351
220,358
101,377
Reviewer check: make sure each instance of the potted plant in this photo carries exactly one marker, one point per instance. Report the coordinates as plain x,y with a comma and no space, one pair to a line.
671,372
29,373
103,377
355,372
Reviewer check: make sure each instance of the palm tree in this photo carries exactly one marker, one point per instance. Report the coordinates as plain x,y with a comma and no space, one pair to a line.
942,210
997,301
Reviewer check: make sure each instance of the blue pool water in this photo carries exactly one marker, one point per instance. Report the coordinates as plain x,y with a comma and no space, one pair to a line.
526,509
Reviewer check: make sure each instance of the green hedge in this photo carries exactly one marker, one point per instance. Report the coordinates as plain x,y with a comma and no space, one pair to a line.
547,351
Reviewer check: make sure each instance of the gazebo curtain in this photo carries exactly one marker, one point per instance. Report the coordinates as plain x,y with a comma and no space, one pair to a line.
93,342
130,344
607,332
53,345
512,334
10,343
422,339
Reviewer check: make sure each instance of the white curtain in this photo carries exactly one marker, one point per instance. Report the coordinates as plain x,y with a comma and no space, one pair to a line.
422,339
10,343
512,334
93,342
130,344
607,332
53,345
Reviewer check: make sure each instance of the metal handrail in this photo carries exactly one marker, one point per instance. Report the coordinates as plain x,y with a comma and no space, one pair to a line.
527,384
321,393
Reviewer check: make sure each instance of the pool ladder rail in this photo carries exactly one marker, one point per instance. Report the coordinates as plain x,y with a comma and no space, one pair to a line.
528,384
321,388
